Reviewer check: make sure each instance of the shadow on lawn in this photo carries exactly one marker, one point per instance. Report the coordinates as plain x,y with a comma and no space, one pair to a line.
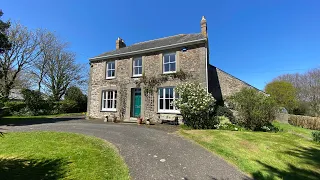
31,121
310,156
32,168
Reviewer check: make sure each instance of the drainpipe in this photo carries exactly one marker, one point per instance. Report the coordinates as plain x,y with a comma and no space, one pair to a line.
206,52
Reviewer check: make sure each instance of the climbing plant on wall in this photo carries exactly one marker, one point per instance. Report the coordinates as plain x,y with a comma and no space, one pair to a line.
152,83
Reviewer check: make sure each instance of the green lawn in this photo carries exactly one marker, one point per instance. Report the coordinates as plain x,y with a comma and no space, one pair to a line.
284,155
56,155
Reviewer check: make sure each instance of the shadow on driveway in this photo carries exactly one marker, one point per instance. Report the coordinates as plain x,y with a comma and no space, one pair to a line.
32,121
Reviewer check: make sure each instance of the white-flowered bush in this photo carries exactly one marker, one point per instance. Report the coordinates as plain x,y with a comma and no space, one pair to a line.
196,106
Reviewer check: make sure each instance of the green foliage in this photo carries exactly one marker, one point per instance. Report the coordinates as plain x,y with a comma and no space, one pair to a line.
4,41
223,120
302,108
224,111
34,100
284,93
15,105
255,108
67,106
75,94
152,83
196,106
230,127
12,107
316,136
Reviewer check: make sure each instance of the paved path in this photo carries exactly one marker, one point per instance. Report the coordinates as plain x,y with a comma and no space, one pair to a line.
149,153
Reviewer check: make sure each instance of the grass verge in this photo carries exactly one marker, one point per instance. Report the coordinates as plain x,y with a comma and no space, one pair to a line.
289,154
57,155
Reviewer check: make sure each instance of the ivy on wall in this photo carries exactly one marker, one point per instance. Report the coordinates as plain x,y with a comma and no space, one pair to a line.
152,83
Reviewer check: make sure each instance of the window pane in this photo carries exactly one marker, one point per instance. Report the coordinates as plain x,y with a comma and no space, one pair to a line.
109,105
171,104
104,94
110,95
136,71
166,68
171,92
137,62
167,91
115,103
111,65
161,92
172,57
167,104
112,73
139,70
109,74
103,104
161,103
172,66
165,58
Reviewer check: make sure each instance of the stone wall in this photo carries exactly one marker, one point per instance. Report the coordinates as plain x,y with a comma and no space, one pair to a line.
222,84
192,61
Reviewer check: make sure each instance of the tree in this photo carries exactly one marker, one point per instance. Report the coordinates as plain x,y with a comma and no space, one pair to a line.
61,73
4,41
33,100
48,44
284,93
75,94
24,50
255,109
308,89
196,106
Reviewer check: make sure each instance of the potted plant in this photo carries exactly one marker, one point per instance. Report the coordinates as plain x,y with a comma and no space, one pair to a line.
139,120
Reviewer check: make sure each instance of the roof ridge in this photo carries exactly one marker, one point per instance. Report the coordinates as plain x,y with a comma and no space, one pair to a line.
157,39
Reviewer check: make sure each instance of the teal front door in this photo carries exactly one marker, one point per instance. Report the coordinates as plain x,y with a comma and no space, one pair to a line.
137,103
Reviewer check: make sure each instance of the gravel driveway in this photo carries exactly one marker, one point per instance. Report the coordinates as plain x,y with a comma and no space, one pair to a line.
149,153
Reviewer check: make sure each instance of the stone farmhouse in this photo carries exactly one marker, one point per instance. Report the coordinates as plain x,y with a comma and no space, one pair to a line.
139,80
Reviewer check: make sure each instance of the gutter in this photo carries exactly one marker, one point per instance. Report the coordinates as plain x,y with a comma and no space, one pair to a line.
147,50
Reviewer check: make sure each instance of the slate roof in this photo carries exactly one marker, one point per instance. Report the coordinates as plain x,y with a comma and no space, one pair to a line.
153,44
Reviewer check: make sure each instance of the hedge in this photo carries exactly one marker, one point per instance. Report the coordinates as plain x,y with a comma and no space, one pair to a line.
305,121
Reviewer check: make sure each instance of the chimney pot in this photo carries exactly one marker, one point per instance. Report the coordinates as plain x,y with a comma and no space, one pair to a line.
120,43
203,24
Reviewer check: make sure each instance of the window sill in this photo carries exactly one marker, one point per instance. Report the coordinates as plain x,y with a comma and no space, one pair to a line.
169,72
107,78
137,76
108,110
168,112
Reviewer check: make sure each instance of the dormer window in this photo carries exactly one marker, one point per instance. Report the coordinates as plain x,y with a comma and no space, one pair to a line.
169,63
137,66
111,70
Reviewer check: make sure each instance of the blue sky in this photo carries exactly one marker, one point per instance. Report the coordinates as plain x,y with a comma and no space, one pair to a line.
253,40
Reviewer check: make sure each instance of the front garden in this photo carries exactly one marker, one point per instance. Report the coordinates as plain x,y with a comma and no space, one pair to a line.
251,140
56,155
288,154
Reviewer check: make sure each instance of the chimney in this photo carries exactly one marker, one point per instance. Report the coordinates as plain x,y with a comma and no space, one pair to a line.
120,43
204,27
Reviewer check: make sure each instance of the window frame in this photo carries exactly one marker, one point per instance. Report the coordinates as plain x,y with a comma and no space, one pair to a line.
105,99
134,66
175,96
107,70
163,63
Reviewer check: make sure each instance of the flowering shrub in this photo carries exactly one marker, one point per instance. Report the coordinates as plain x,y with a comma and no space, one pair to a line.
256,110
196,106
